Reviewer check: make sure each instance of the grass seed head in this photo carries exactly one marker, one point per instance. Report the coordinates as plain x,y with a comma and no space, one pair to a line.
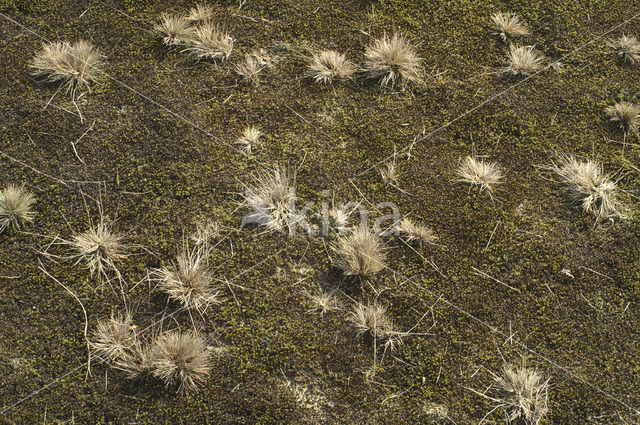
180,359
392,60
390,173
16,206
360,253
329,65
73,65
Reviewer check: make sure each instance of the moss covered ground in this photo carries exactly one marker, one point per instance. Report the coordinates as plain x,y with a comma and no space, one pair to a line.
158,174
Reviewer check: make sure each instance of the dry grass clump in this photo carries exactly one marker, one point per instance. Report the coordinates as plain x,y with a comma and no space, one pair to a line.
180,359
72,65
392,60
390,173
254,63
114,338
372,319
200,13
269,197
16,206
189,281
196,34
249,70
626,115
522,394
411,231
209,42
206,231
509,25
175,30
479,173
338,220
626,49
360,253
588,185
523,60
100,248
134,362
323,301
250,139
329,65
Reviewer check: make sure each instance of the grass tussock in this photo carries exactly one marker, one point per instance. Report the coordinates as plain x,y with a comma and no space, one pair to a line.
479,173
254,64
523,61
509,25
249,70
389,173
269,198
522,393
360,253
72,65
589,186
392,60
175,30
114,338
100,248
323,301
189,281
207,231
180,359
626,48
328,65
249,140
210,41
199,37
199,13
626,116
338,221
410,231
372,319
16,206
